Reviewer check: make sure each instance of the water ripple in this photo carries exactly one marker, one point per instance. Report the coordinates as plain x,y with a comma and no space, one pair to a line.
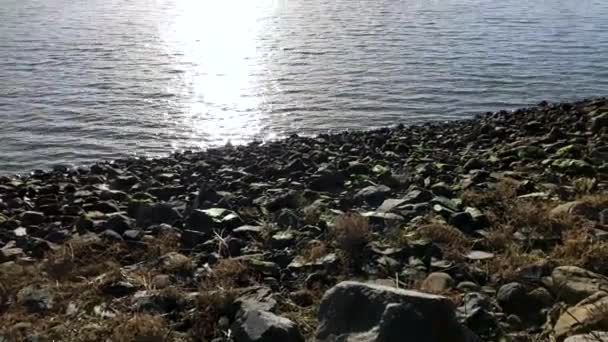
82,80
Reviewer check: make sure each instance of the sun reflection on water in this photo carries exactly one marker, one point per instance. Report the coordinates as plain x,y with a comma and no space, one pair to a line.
216,43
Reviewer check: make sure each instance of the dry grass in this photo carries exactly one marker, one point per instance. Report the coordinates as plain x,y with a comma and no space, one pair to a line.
227,274
453,241
314,251
352,235
140,328
211,307
507,264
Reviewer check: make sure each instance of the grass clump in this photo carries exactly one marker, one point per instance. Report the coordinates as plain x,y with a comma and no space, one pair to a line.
352,235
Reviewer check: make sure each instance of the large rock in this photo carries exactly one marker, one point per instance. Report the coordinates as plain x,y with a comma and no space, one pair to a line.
263,326
593,336
574,284
590,314
353,311
149,214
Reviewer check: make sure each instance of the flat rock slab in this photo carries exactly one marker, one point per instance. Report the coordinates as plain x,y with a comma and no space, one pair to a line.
353,311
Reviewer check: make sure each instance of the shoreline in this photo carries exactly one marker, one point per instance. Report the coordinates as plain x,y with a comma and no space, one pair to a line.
497,213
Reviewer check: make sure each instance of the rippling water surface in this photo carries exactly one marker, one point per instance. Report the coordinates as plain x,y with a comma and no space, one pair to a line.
82,80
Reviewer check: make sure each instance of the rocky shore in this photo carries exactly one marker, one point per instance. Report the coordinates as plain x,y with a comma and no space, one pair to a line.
488,229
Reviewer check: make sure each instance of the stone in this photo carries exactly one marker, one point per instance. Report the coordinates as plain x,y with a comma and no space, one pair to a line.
257,298
573,284
31,218
111,235
263,326
282,239
118,223
353,311
418,196
373,194
512,297
580,208
573,166
473,164
35,298
467,286
586,316
437,282
174,262
390,204
593,336
479,255
151,214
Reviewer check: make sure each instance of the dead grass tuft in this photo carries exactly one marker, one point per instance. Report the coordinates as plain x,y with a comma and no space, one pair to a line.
140,328
227,274
352,234
453,241
211,308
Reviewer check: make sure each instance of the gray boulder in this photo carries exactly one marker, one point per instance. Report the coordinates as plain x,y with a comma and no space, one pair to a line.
353,311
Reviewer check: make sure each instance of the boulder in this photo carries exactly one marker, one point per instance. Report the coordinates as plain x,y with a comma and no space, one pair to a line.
263,326
574,284
588,315
593,336
354,311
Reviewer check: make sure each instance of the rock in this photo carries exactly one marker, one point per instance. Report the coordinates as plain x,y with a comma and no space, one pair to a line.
417,196
437,282
593,336
473,164
353,311
118,223
574,284
35,298
512,297
132,235
463,221
573,166
599,122
467,286
32,218
263,326
586,316
390,204
156,302
257,298
174,262
111,235
151,214
479,255
373,195
580,208
282,239
161,281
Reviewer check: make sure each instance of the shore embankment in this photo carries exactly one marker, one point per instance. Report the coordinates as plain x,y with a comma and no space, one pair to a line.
503,218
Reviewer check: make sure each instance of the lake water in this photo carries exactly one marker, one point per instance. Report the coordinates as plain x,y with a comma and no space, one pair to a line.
83,80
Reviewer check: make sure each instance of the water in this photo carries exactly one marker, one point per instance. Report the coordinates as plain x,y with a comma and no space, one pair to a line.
83,80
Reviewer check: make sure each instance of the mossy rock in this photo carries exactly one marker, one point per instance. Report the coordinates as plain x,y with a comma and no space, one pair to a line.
573,167
531,152
570,151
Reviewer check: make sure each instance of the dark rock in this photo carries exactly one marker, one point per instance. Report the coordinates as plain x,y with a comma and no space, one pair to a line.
132,235
418,196
118,223
32,218
373,195
151,214
363,312
512,298
111,235
118,288
263,326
